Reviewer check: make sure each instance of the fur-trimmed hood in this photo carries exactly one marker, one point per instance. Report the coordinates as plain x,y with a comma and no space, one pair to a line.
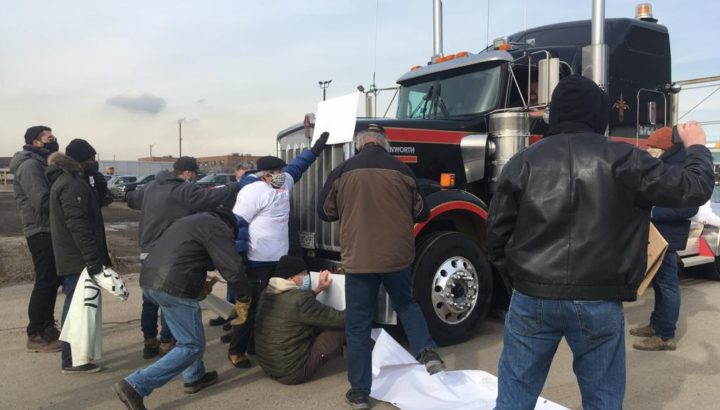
59,163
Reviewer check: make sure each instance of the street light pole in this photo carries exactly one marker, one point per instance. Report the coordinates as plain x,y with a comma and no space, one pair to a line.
151,145
324,85
180,121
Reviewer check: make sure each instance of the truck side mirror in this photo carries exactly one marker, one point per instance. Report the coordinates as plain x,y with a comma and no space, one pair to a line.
548,78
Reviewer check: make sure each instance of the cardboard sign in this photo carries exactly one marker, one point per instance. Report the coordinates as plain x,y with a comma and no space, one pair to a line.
657,246
334,296
337,116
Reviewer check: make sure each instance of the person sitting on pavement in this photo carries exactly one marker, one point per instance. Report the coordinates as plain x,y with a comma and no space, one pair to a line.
674,225
173,277
294,333
263,212
78,230
170,196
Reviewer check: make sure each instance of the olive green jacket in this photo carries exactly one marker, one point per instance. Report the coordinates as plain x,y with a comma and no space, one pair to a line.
286,324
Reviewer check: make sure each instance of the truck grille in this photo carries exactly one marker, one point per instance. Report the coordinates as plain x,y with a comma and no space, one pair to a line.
314,233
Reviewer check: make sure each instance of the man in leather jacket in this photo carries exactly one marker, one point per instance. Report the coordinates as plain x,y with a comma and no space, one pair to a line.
568,226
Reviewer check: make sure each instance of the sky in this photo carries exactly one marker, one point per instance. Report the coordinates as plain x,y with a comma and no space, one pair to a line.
121,74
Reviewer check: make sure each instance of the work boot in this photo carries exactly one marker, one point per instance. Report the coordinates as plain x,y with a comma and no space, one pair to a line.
432,361
85,368
358,399
208,379
655,343
151,348
51,333
226,338
217,321
166,346
644,331
38,344
227,326
128,395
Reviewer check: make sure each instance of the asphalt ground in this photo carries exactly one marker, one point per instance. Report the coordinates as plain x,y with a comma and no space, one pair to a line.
683,379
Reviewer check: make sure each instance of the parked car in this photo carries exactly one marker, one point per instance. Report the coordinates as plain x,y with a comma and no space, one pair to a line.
216,180
120,190
121,179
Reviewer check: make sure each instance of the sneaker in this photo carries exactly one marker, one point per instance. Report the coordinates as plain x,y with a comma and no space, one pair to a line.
127,394
85,368
166,346
655,343
217,321
208,379
432,361
240,361
51,334
151,348
226,338
358,399
38,344
644,331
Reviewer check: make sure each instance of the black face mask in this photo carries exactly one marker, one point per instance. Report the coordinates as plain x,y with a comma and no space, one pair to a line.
93,168
52,146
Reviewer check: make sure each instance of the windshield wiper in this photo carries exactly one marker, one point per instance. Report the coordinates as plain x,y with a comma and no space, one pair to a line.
426,98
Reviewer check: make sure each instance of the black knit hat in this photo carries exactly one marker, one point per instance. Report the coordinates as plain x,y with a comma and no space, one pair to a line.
33,133
80,150
289,266
185,164
269,163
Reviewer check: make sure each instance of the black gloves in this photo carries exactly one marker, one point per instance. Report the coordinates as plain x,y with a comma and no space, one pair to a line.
320,143
100,184
94,269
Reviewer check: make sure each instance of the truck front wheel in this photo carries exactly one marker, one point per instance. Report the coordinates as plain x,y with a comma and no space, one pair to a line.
452,283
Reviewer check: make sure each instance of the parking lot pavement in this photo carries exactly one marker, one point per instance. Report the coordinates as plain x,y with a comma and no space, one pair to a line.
686,378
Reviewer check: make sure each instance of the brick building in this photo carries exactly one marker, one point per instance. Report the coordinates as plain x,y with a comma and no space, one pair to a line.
226,163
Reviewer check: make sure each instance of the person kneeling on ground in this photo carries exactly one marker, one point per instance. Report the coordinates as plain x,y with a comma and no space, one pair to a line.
173,277
294,333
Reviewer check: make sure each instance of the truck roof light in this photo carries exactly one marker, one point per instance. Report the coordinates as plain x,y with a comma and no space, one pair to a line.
447,180
445,58
643,12
462,54
501,44
415,67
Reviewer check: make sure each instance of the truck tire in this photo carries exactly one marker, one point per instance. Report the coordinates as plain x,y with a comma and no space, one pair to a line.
452,283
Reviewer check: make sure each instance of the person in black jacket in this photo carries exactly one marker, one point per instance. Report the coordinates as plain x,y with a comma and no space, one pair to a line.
32,193
568,225
76,223
674,225
170,196
173,277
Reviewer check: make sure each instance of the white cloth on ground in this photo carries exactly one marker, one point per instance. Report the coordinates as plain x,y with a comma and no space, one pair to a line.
82,328
399,379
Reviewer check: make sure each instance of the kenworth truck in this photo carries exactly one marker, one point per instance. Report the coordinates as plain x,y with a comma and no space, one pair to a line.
459,120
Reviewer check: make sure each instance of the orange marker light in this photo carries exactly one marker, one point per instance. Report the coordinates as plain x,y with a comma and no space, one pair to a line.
447,180
415,67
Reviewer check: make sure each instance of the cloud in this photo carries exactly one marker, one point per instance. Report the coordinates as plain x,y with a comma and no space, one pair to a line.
138,101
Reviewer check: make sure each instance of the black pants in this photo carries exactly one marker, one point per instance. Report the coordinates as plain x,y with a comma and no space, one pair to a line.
41,309
242,336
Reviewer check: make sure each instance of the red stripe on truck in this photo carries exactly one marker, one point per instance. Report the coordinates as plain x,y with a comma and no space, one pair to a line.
424,136
450,206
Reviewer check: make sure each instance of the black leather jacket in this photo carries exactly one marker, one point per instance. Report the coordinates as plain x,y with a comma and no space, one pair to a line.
569,219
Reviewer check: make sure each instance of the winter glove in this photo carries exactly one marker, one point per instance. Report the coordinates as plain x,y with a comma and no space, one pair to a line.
242,307
100,185
94,269
320,143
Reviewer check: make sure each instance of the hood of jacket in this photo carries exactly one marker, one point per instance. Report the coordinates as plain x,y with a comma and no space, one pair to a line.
28,152
279,285
60,163
578,105
166,177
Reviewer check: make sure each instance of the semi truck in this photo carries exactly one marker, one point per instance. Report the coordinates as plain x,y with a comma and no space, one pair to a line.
459,119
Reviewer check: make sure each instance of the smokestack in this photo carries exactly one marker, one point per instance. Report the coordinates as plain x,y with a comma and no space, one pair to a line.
437,30
599,52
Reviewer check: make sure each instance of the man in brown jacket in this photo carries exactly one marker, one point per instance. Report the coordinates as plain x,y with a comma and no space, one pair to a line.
377,200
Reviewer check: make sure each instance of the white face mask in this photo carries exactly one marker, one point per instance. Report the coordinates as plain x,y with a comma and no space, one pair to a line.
278,180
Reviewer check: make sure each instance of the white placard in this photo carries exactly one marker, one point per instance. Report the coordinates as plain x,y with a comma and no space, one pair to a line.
337,116
334,296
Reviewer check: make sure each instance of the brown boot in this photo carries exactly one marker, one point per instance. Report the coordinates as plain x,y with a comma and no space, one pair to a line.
644,331
38,344
655,343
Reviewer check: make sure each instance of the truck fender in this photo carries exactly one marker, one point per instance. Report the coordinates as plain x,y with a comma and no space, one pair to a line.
454,209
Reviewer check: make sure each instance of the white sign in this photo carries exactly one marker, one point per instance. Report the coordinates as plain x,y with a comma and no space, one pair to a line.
334,296
337,116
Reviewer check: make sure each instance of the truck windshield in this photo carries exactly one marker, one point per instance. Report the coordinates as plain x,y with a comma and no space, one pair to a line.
469,93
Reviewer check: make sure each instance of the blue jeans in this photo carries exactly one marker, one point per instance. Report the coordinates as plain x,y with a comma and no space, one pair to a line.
594,330
361,292
69,283
149,321
667,297
184,318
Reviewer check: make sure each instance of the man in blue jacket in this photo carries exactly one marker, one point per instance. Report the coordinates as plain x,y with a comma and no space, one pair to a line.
674,226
